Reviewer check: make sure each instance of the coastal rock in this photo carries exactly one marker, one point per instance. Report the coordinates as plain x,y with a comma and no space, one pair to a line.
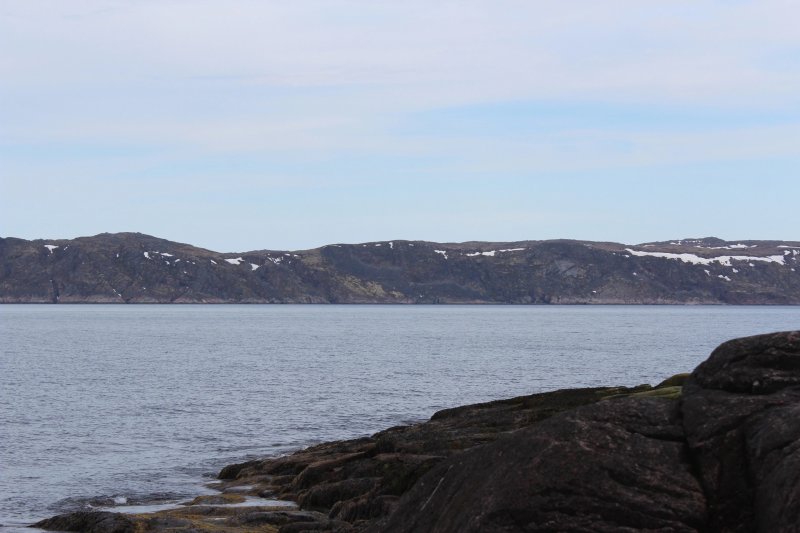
360,481
724,458
614,466
232,471
761,364
741,412
332,526
217,499
325,495
278,518
89,522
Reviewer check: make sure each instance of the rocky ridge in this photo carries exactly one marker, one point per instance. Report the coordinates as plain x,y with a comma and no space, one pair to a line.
136,268
717,450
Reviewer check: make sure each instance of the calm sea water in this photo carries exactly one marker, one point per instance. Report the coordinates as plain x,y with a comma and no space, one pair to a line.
140,404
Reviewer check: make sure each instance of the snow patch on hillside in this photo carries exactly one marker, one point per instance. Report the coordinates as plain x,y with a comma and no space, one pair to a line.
697,260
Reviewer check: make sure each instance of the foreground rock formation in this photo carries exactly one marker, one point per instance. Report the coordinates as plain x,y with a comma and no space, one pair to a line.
718,450
741,416
136,268
726,457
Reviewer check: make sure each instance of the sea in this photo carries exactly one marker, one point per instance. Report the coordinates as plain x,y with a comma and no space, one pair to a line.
121,406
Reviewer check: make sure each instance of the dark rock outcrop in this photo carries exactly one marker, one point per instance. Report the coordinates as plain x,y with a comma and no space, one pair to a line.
741,412
724,458
360,481
136,268
615,466
89,522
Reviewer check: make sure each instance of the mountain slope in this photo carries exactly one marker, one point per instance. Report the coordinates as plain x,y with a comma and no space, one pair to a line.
136,268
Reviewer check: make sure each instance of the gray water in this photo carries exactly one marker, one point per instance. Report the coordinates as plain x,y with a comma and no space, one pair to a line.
112,404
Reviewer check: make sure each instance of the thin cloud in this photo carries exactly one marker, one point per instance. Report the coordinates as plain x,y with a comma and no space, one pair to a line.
99,95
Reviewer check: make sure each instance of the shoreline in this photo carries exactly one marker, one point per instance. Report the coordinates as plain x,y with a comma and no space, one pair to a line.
480,354
397,456
718,449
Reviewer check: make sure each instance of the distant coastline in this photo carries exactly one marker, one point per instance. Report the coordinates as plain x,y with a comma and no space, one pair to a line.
137,268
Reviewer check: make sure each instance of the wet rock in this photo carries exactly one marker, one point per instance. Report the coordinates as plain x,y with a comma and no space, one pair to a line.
232,471
217,499
279,518
89,522
161,523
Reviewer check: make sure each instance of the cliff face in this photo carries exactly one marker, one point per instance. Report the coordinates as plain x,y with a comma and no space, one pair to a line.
136,268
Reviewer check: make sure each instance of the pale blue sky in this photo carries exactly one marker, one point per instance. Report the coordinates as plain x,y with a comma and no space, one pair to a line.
248,124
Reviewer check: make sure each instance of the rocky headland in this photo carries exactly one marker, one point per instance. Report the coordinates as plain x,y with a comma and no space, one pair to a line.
136,268
714,450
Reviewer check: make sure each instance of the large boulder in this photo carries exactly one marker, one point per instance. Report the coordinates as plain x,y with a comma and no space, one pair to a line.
741,414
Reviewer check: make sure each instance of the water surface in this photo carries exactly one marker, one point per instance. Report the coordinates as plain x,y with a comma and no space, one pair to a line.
136,404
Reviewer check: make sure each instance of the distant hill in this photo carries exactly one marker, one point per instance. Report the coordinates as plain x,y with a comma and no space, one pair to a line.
137,268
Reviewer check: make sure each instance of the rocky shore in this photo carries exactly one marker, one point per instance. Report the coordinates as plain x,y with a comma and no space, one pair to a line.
716,450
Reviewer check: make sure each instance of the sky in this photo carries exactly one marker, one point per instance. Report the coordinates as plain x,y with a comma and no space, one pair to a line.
288,124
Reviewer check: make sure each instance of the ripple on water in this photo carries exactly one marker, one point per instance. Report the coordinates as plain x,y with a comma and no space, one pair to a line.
103,402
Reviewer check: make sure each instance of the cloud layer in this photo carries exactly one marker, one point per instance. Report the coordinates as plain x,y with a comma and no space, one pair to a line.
429,109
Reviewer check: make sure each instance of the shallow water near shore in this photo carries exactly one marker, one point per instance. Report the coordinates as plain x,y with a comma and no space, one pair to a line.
113,405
